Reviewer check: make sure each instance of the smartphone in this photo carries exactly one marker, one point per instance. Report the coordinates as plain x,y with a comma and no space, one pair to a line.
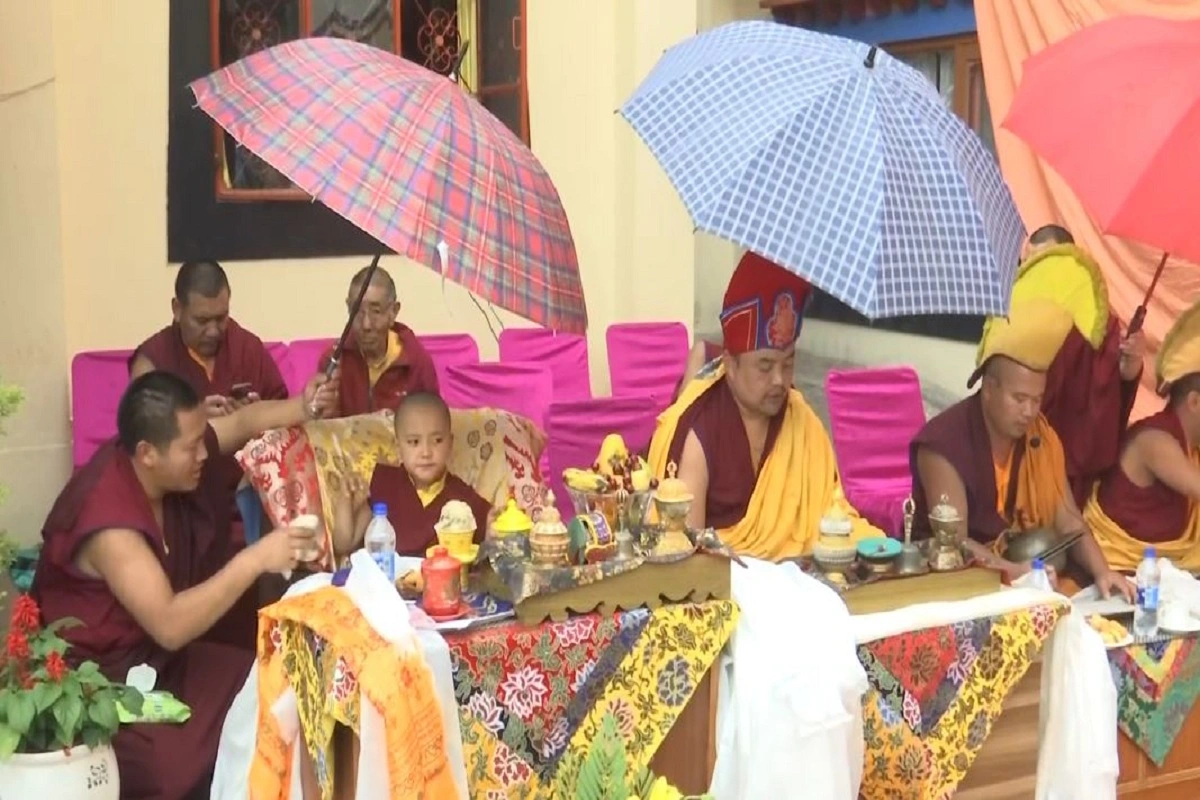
240,391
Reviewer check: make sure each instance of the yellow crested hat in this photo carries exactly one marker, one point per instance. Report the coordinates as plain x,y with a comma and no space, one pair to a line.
1179,355
1066,274
1031,335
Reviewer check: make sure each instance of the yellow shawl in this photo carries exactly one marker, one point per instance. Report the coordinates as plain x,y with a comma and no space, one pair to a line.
354,666
1041,483
795,486
1124,552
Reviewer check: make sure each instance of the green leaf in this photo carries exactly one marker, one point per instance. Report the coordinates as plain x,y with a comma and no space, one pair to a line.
45,695
63,623
132,700
103,712
20,712
90,675
67,713
94,737
9,739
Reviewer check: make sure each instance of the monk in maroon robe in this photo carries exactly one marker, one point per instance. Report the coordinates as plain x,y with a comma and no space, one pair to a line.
416,492
383,359
136,548
1090,391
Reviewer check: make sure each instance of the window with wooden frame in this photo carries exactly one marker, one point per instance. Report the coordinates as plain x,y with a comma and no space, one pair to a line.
953,65
429,32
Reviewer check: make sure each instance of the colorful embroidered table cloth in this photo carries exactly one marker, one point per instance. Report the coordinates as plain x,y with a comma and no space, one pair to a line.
934,695
528,696
1157,685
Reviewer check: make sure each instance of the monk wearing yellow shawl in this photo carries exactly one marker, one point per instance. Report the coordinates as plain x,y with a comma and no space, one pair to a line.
995,458
753,453
1152,496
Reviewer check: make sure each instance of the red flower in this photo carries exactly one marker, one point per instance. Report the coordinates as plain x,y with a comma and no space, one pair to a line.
25,614
18,644
56,667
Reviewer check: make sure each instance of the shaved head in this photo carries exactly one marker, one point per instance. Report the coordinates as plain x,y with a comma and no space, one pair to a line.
204,278
1011,395
1051,235
1183,388
380,279
422,402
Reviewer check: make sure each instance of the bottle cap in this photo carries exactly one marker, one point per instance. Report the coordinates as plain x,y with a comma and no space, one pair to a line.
379,509
1039,564
1150,552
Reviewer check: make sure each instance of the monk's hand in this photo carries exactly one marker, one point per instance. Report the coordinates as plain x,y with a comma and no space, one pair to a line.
217,406
283,548
235,404
349,503
320,397
1112,582
1133,352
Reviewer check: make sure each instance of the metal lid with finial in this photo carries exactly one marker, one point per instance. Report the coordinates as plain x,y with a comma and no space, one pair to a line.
944,512
671,489
512,519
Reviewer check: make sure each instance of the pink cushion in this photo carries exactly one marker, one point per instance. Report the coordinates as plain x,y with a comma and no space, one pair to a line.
575,429
450,349
517,387
873,416
303,356
98,379
279,354
565,353
647,358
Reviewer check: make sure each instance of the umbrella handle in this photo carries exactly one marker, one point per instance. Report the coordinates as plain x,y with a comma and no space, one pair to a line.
1136,321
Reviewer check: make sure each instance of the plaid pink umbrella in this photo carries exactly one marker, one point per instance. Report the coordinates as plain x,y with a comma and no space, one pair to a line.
413,160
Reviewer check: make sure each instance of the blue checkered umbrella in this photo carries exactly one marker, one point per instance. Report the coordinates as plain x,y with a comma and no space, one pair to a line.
835,161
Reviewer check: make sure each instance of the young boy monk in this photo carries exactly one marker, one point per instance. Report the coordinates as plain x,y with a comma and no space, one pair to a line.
416,491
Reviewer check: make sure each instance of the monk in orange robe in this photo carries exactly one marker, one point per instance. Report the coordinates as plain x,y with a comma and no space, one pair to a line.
755,456
1152,495
996,459
134,547
1093,382
383,359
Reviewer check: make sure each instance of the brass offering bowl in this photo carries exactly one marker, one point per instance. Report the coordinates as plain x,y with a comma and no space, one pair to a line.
1023,546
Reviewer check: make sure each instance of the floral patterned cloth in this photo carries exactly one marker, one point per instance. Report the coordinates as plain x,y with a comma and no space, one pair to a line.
527,696
933,697
1157,685
319,645
297,470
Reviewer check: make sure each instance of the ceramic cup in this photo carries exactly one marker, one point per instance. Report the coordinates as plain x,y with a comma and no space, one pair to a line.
312,523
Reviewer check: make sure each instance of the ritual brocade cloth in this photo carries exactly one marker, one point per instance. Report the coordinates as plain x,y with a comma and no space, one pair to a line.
1157,688
533,698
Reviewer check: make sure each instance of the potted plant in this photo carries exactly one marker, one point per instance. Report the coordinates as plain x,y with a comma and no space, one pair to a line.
10,401
603,774
57,722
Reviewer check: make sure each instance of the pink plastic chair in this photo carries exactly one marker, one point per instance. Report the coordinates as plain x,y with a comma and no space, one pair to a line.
565,353
575,429
303,356
646,358
873,416
450,349
98,379
517,387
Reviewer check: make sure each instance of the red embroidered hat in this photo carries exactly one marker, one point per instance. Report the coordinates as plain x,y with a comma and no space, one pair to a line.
764,306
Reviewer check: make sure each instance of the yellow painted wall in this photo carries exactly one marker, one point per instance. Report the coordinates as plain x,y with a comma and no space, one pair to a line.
83,203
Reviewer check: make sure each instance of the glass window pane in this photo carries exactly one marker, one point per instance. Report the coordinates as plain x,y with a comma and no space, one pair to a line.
429,33
981,112
506,105
366,21
501,33
938,67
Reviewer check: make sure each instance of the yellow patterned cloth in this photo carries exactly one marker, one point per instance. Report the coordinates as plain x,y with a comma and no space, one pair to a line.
934,695
528,697
319,645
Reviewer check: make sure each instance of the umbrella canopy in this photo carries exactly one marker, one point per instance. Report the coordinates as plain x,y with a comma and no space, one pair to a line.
1115,109
836,161
413,160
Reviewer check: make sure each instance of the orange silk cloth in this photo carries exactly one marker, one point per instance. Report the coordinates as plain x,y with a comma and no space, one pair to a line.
1009,32
397,683
796,484
1041,482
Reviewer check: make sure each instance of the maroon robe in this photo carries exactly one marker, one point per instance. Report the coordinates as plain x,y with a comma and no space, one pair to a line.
960,436
1154,513
717,422
413,521
1088,405
412,372
156,761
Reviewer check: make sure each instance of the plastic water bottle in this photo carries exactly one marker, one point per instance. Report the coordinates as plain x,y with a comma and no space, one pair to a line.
1038,579
1145,613
380,540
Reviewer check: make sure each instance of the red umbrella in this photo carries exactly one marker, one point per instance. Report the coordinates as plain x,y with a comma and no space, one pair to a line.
412,159
1115,109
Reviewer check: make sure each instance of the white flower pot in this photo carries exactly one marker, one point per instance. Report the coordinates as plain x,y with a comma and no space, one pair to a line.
78,774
